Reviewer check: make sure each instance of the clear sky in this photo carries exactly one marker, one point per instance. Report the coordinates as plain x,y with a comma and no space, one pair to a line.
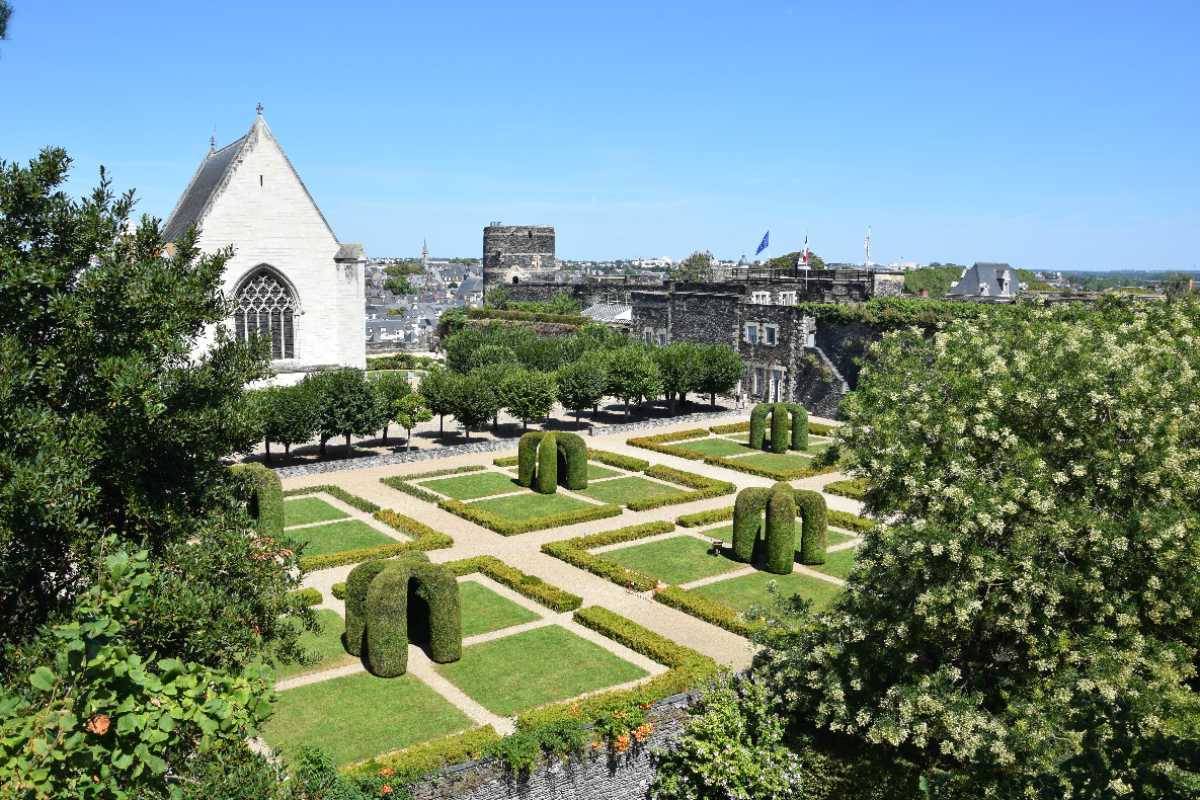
1046,134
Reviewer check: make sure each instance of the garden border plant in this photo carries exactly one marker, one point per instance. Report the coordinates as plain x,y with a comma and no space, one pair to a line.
264,496
575,552
553,597
424,538
511,527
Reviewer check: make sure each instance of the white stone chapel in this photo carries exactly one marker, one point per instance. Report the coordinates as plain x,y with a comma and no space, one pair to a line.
289,280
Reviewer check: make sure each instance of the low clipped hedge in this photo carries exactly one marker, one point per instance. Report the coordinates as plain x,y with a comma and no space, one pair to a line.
575,552
307,596
702,488
510,527
701,518
660,443
413,763
732,427
765,472
814,535
844,519
688,670
441,473
545,481
854,488
618,460
402,485
527,455
265,497
424,538
338,590
703,608
821,429
520,582
361,503
505,461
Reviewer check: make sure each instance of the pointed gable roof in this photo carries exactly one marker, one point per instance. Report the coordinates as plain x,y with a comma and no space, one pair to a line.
213,175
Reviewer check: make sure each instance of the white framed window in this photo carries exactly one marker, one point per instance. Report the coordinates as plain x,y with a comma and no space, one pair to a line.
770,334
787,298
662,336
760,298
750,332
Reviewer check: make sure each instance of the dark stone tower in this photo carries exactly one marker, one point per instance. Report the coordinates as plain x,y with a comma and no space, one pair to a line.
514,254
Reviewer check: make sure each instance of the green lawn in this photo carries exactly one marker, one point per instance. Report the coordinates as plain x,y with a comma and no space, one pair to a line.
777,461
596,472
483,610
324,648
838,563
725,534
359,716
530,505
749,590
304,510
540,666
349,534
620,491
715,447
679,559
473,486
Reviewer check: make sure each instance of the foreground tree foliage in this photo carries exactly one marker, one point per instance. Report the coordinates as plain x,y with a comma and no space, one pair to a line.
111,436
1026,624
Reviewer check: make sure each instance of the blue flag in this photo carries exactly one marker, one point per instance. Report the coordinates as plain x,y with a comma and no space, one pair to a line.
763,244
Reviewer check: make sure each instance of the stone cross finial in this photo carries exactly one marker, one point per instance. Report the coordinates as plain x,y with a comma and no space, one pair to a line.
212,142
259,109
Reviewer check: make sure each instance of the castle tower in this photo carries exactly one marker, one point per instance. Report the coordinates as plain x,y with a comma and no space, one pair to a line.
513,254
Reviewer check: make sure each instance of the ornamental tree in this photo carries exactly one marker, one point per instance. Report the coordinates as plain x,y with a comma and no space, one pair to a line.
476,400
720,369
528,395
1025,623
409,412
680,365
437,387
286,414
390,388
345,405
581,384
632,375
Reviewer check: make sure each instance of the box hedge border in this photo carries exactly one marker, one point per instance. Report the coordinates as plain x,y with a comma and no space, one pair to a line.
509,527
576,553
854,488
660,443
419,760
766,472
703,608
702,488
362,504
531,586
424,538
618,460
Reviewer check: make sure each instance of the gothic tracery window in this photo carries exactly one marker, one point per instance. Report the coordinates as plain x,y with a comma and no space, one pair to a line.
264,306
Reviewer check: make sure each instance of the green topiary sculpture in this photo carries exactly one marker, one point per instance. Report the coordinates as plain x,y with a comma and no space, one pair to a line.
758,425
779,428
789,427
527,449
773,545
546,460
389,602
781,530
546,480
814,535
265,497
799,426
747,521
572,460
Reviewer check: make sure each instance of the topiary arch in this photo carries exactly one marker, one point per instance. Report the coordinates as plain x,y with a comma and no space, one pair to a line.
390,602
789,427
773,546
547,459
264,496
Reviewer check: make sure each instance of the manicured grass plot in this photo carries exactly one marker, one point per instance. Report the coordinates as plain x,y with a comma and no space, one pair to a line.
530,505
725,534
715,447
335,537
776,461
679,559
323,649
620,491
539,666
596,472
473,486
839,563
306,510
359,716
483,610
750,590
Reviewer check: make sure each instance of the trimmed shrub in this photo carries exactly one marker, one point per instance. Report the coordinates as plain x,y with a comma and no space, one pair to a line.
402,485
362,504
527,457
702,488
414,763
338,590
703,608
530,586
758,425
546,479
572,460
659,443
618,460
575,552
747,521
854,488
436,587
791,474
441,473
265,497
779,428
844,519
781,530
509,527
821,429
307,596
385,650
814,532
733,427
701,518
506,461
357,584
799,423
424,538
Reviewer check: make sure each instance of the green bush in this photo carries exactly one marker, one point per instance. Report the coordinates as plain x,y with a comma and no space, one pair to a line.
844,519
575,552
790,474
441,473
733,427
307,596
526,316
506,461
338,590
781,530
265,498
814,533
703,608
416,762
799,426
402,485
546,479
618,460
702,488
701,518
659,442
854,488
436,587
354,500
779,428
747,521
572,460
758,425
357,584
821,429
377,601
527,450
509,527
386,634
530,586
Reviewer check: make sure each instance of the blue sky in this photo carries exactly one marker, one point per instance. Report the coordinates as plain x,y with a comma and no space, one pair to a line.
1045,134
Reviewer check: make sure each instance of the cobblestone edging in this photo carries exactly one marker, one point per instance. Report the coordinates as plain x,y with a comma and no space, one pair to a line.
591,776
366,462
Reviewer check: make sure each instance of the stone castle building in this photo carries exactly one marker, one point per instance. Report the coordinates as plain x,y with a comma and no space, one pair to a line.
515,254
289,280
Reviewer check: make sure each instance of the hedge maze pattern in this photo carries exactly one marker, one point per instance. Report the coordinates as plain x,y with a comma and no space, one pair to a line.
390,602
547,459
773,545
789,427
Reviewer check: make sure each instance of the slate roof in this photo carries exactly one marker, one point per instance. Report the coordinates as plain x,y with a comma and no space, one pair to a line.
469,286
999,279
201,189
609,312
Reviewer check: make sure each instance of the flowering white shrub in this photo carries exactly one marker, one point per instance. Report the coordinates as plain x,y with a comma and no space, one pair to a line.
1025,625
